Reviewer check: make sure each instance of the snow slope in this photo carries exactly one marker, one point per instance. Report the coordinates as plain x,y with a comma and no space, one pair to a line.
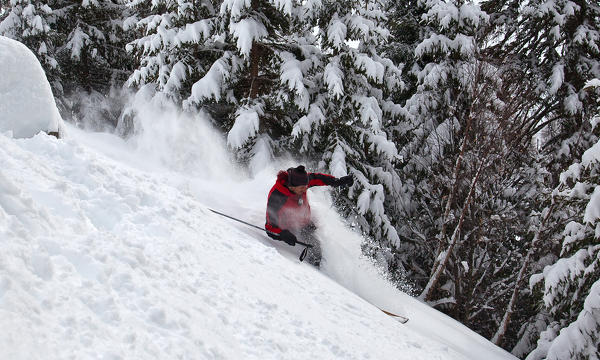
109,251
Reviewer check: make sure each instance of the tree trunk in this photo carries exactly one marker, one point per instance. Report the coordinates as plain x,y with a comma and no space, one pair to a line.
255,56
499,335
441,263
453,189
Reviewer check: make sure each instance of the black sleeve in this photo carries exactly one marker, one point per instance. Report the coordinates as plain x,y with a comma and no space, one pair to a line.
318,179
274,204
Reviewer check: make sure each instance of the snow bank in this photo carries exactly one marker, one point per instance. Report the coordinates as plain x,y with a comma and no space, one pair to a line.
109,251
120,263
26,102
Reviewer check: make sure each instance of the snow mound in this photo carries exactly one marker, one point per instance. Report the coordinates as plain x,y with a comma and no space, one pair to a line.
27,105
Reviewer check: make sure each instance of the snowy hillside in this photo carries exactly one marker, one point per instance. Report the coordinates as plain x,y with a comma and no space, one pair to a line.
110,251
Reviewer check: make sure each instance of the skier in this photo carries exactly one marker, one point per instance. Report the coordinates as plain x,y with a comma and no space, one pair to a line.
288,211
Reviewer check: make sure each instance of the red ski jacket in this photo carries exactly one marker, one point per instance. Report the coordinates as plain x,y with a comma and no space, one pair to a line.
288,211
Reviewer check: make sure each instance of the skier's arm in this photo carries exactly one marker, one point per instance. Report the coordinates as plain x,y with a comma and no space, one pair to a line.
317,179
274,205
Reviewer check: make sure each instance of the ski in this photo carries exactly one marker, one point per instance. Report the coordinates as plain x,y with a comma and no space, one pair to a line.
400,318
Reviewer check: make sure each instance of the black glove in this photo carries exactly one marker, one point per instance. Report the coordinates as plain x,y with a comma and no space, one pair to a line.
288,237
347,180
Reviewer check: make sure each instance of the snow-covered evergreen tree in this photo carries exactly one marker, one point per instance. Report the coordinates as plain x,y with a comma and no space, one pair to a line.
241,61
93,50
469,173
555,47
346,122
571,285
30,23
272,53
406,33
93,44
170,44
436,118
556,43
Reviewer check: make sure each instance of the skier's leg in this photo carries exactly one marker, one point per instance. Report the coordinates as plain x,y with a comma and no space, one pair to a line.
307,234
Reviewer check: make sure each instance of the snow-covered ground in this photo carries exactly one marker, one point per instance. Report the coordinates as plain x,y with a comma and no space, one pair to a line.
110,251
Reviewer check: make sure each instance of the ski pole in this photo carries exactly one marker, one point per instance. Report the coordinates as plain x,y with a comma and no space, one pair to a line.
238,220
302,255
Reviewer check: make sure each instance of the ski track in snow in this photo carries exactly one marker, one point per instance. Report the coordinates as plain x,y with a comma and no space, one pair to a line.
108,255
